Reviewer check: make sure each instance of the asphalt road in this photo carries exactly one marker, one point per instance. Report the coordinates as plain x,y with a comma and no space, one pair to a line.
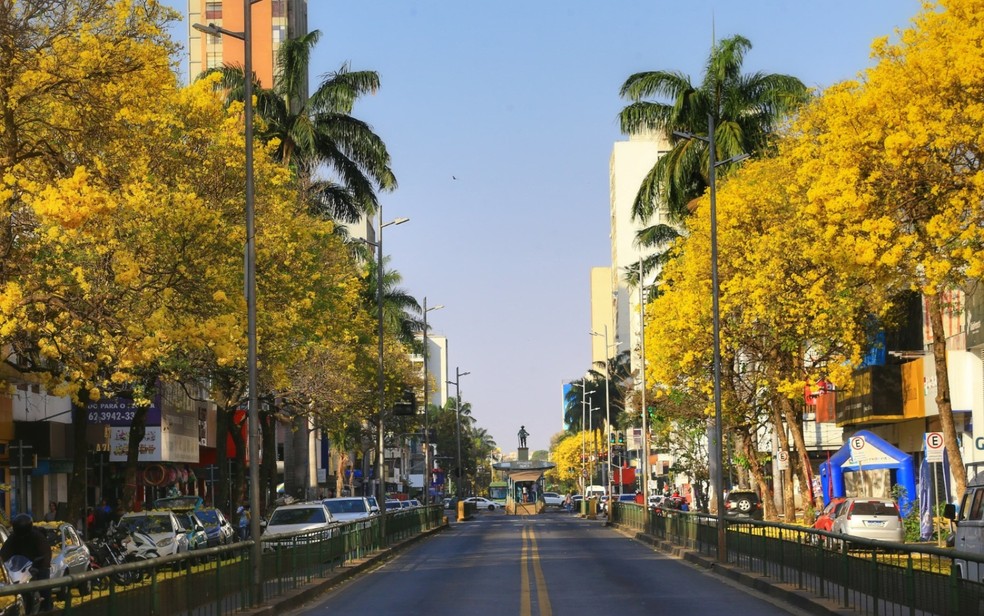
537,566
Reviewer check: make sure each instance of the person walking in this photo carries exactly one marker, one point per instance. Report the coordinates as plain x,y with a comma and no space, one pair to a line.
243,512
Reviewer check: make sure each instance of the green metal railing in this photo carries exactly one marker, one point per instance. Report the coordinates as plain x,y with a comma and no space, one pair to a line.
217,581
870,577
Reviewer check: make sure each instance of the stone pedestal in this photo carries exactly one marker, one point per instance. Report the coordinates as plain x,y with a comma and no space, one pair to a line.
523,454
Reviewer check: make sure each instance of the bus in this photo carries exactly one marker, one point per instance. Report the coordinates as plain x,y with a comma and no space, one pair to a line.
497,492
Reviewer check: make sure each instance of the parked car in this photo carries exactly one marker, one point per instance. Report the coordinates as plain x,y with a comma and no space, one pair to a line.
373,504
968,529
483,503
217,528
552,499
348,508
298,518
825,519
184,508
414,502
743,504
162,528
870,518
193,528
393,504
69,554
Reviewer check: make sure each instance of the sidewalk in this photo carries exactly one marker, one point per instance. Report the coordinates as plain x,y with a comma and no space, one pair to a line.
788,594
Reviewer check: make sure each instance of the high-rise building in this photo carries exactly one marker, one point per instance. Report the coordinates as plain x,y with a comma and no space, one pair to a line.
630,162
274,21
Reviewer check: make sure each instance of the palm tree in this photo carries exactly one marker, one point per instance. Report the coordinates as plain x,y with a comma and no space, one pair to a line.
747,109
319,131
399,307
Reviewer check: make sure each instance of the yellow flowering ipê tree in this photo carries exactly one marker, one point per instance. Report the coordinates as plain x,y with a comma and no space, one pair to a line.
895,179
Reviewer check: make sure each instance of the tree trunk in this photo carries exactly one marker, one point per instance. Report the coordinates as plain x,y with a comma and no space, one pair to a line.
801,460
238,495
268,460
138,428
758,474
220,489
788,501
297,472
76,482
934,306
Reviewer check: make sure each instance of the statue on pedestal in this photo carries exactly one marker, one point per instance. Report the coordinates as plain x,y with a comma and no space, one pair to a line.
522,436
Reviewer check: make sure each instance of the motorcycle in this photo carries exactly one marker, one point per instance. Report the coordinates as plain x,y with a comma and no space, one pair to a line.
20,570
110,551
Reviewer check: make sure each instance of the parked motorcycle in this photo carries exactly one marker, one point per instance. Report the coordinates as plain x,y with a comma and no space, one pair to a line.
107,552
21,570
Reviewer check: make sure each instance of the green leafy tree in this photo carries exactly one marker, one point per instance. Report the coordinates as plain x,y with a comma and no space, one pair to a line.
747,110
319,131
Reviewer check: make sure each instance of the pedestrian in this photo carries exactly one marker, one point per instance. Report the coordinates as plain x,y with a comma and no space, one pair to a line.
243,513
52,513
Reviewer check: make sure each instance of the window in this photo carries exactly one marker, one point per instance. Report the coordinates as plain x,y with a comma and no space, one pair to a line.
279,8
279,34
213,10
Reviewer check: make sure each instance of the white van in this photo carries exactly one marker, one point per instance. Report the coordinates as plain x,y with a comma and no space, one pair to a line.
968,536
596,491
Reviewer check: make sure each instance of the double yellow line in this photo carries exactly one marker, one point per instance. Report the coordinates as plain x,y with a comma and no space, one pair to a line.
531,554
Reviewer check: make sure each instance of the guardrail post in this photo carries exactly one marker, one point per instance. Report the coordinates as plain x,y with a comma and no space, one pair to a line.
911,586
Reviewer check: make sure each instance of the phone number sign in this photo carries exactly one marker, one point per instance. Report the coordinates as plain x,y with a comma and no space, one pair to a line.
120,412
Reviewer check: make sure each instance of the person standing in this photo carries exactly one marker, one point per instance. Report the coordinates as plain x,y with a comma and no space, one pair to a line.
52,514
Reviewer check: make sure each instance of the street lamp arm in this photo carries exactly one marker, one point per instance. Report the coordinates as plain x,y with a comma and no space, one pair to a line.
217,30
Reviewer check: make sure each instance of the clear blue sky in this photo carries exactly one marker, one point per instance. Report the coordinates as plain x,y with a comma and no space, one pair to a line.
518,100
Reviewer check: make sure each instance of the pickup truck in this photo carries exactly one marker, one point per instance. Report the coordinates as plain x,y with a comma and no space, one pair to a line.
552,499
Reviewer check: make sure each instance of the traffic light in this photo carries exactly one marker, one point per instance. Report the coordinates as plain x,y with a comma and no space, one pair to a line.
611,438
407,406
621,438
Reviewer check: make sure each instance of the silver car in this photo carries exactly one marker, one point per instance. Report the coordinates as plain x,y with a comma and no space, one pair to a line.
870,518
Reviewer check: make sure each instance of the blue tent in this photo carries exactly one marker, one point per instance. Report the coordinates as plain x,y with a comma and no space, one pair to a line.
877,454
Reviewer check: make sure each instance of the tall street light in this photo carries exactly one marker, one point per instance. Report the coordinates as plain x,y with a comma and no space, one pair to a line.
584,406
716,458
644,458
380,480
457,412
256,553
427,465
608,408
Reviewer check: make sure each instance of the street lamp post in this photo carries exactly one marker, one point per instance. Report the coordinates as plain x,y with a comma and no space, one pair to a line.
644,458
457,413
256,553
380,441
427,465
584,406
716,449
608,410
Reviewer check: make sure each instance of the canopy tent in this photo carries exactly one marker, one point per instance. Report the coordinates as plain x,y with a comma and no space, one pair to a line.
866,451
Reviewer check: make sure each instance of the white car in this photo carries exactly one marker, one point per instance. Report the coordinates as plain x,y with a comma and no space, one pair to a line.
552,499
298,518
161,526
348,508
483,503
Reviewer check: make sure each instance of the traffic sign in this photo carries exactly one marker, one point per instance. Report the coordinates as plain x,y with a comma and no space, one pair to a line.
783,460
934,446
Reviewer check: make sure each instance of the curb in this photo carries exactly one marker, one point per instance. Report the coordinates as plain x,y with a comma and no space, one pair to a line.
786,593
298,597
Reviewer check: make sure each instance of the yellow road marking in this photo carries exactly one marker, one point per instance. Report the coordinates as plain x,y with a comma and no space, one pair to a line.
542,597
524,592
531,555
